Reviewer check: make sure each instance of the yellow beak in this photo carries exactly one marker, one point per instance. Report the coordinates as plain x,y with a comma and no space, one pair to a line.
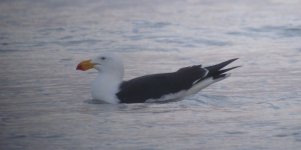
85,65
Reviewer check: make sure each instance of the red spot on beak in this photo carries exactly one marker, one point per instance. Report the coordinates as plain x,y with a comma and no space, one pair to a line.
79,67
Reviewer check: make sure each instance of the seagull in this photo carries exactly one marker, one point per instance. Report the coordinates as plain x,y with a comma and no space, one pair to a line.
109,86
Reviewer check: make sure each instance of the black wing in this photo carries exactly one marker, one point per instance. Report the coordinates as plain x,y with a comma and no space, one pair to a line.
154,86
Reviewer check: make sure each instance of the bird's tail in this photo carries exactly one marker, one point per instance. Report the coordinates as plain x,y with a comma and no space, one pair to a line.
217,71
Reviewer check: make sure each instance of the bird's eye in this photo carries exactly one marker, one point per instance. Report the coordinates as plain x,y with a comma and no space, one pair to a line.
103,58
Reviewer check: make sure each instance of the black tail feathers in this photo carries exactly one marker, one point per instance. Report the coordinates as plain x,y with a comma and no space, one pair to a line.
216,72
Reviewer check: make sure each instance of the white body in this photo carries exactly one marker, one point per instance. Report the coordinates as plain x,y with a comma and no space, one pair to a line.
105,87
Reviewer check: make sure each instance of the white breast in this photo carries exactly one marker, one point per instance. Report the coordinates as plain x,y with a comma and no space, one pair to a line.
104,88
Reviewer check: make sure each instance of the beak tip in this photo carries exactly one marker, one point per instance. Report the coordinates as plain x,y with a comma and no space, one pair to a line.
79,67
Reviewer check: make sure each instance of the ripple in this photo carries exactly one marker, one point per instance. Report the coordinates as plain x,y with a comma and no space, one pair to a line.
17,136
148,24
55,29
92,101
86,41
47,136
297,136
282,135
269,31
11,50
235,132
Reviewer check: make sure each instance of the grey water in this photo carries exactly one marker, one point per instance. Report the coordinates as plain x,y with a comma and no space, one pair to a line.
46,104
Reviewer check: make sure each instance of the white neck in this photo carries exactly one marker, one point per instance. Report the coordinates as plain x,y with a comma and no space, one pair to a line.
105,87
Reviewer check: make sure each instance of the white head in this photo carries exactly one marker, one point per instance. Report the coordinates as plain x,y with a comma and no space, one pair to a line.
109,63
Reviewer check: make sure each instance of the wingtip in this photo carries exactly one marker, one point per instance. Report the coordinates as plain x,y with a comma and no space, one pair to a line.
229,61
234,59
228,69
237,67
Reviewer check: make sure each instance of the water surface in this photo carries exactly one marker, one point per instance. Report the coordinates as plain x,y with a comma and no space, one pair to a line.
46,104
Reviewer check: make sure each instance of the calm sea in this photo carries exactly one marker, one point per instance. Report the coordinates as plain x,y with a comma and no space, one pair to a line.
46,104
